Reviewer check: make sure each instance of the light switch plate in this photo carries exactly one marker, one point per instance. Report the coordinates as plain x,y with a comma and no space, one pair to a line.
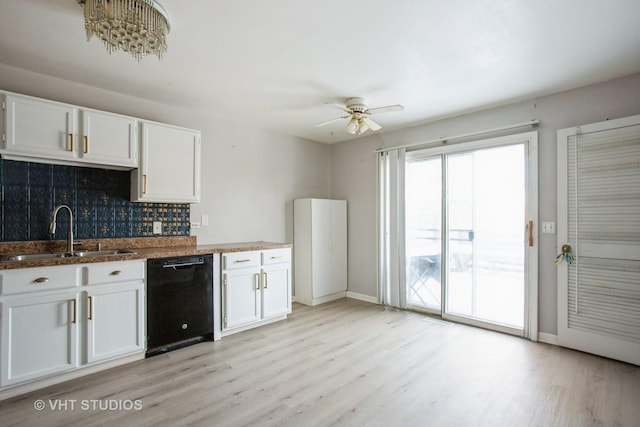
549,227
157,227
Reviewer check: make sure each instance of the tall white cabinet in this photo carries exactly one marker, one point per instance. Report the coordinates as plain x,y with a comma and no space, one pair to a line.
320,250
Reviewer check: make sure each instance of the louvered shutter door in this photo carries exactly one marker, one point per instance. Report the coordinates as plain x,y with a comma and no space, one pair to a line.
602,305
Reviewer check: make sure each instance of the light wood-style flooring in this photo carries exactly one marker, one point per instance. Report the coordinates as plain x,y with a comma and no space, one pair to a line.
351,363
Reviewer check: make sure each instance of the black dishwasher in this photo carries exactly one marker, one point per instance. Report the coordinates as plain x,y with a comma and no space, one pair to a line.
179,302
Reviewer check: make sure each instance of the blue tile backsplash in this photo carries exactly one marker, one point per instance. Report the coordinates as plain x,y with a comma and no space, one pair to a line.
99,199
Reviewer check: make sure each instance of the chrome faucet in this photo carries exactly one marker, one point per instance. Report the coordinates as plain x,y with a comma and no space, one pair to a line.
52,226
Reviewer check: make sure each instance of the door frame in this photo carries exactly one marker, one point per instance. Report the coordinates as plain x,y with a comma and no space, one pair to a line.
530,140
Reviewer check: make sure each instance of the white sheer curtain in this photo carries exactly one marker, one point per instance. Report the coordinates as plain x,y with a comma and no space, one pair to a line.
391,235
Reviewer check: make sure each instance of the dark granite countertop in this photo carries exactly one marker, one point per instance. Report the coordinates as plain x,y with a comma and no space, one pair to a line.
144,247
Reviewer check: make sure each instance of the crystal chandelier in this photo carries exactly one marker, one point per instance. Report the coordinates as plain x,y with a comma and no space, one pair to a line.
139,27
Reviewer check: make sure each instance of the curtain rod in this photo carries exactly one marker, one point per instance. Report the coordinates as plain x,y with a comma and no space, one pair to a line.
533,123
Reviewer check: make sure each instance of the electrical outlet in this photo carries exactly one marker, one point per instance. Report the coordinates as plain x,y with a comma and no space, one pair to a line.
157,227
195,224
549,227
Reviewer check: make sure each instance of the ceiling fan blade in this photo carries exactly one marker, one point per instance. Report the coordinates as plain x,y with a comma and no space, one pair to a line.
372,125
331,121
386,109
341,106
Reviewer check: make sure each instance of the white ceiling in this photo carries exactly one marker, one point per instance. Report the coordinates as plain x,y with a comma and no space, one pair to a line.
275,64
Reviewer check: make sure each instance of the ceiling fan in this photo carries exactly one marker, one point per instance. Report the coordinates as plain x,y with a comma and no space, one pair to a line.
358,115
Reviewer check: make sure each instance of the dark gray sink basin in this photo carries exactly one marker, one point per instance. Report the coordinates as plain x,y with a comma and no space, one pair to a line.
57,255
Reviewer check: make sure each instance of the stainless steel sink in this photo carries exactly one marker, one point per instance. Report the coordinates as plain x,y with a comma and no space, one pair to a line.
57,255
34,257
102,253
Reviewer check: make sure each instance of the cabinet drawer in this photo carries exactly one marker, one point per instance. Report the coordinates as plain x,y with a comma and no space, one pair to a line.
276,256
118,271
235,260
38,279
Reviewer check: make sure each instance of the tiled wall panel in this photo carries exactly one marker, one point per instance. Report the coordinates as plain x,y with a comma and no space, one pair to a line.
99,199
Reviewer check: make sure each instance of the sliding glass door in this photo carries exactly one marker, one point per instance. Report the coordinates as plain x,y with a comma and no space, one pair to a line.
423,208
465,217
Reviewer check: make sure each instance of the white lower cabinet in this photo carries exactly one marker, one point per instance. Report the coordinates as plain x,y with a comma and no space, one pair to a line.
114,309
241,297
57,319
39,336
256,288
115,312
276,283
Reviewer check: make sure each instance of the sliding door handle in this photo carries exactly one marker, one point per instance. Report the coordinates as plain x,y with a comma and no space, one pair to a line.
530,227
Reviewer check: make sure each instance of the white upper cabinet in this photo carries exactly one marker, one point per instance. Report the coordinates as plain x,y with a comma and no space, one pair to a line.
165,159
39,128
109,139
169,165
45,131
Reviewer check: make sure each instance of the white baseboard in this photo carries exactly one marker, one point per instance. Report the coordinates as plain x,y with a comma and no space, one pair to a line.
362,297
547,338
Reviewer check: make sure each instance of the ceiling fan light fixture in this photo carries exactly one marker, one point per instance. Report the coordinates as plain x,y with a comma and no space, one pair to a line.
364,126
139,27
352,126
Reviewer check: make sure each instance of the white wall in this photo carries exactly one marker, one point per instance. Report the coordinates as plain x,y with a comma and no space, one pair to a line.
354,171
249,176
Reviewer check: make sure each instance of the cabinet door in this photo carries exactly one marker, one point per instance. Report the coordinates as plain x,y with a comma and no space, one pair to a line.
109,139
276,290
169,165
115,316
338,246
240,297
321,249
39,336
39,128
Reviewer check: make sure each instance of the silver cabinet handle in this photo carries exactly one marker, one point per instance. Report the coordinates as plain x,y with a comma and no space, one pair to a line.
242,260
41,280
257,280
116,273
264,278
